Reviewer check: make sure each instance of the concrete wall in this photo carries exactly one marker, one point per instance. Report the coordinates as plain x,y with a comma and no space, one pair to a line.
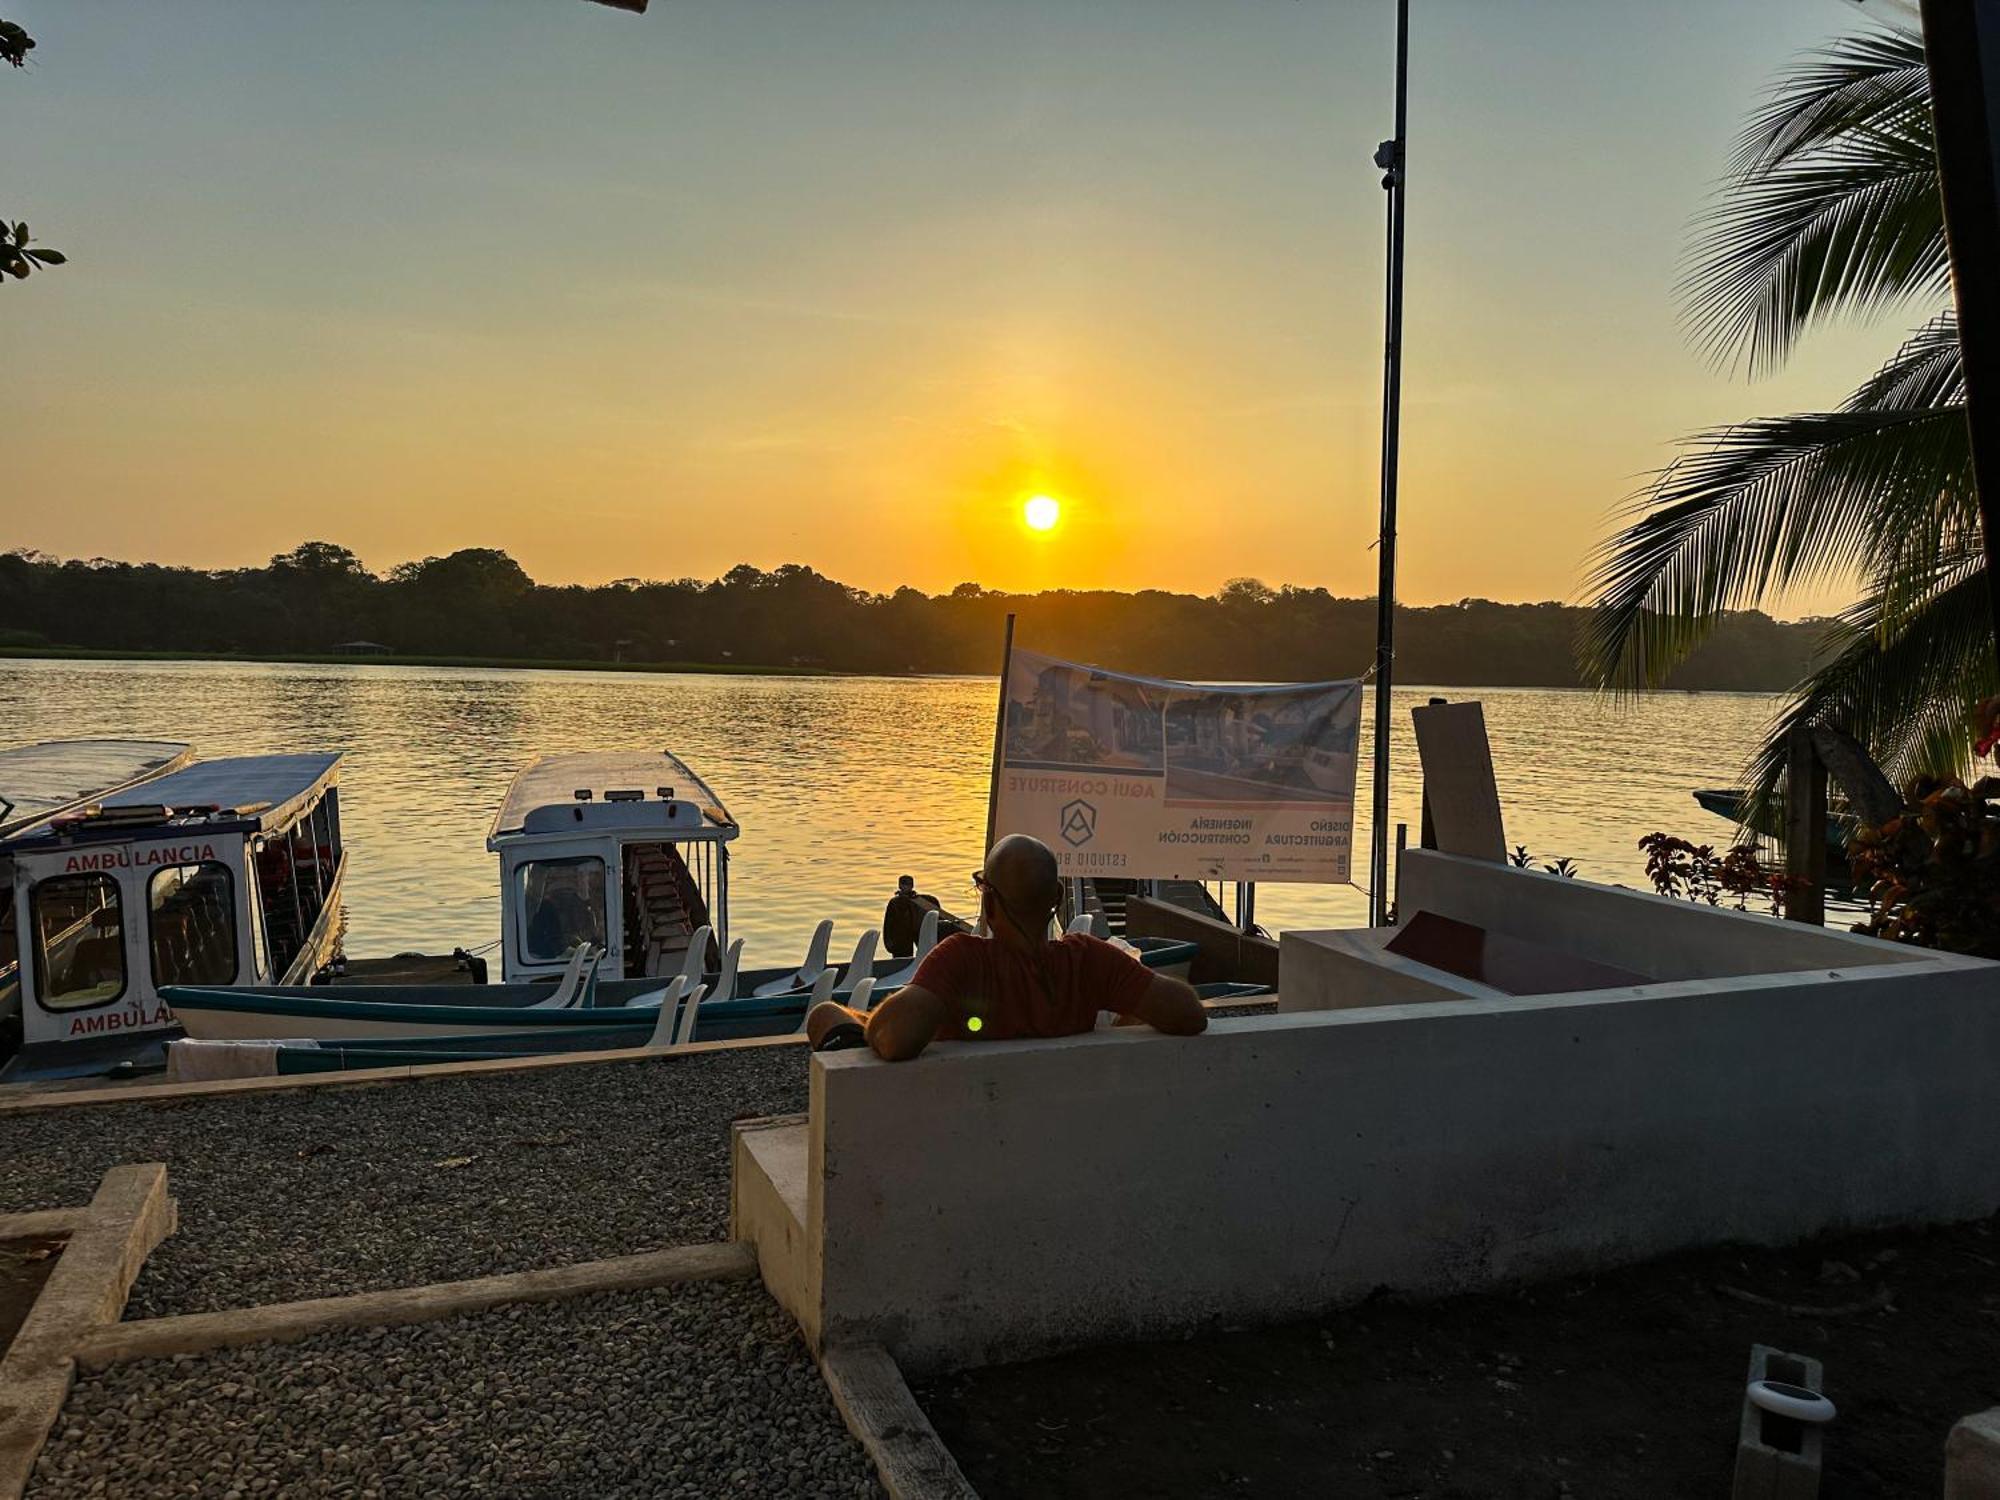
1338,969
1227,952
1632,930
990,1201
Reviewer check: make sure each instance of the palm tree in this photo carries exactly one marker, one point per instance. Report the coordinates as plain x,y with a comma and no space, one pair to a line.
1830,207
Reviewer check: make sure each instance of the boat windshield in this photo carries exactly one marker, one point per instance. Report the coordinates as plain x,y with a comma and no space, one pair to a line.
192,917
562,903
79,923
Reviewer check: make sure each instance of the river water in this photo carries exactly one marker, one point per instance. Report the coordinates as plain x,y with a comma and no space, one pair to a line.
839,783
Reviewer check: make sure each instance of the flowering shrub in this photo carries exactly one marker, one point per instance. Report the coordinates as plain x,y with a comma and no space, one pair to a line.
1932,873
1695,872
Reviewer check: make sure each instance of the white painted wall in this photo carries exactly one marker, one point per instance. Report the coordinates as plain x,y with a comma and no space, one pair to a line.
1632,930
990,1201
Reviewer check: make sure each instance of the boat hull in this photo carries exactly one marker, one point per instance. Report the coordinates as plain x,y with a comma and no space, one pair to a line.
321,1012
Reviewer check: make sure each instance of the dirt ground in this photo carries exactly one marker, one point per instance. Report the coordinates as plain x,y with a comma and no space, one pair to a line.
24,1266
1627,1384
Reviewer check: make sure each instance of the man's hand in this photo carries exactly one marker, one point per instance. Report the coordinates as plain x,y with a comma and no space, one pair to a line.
1170,1005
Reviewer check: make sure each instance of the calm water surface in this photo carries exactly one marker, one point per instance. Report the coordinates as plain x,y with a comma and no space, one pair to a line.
840,784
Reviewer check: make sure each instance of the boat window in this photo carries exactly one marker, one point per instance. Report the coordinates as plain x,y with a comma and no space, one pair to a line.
191,919
260,949
79,929
561,902
285,920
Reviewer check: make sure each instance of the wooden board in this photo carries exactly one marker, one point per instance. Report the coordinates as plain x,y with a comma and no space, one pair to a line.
879,1410
1459,792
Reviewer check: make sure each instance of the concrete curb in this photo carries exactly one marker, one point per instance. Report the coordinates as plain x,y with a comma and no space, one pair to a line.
33,1102
287,1322
879,1410
1972,1457
130,1214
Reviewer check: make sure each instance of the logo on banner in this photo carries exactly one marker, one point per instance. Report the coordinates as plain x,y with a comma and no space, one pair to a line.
1079,823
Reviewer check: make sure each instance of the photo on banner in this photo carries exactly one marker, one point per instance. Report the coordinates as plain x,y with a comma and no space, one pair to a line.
1151,779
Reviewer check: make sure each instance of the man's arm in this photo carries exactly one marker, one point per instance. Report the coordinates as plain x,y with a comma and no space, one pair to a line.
1170,1005
906,1023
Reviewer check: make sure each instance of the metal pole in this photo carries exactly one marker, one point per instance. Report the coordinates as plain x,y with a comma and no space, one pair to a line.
1389,156
1962,50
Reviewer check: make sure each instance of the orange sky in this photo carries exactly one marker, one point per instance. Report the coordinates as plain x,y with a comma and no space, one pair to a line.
842,284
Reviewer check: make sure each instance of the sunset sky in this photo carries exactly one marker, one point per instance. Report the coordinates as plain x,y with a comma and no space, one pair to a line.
844,283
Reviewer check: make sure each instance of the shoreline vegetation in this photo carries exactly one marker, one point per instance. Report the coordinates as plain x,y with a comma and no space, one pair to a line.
397,659
319,604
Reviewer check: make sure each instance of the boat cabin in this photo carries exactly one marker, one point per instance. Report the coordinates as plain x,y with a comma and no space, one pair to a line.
221,872
627,850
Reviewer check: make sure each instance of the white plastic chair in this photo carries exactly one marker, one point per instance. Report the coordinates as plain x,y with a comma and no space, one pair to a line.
862,964
863,998
571,987
696,962
822,990
725,982
926,940
663,1026
690,1008
807,974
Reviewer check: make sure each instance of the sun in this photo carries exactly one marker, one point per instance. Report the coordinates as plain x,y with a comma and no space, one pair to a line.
1042,512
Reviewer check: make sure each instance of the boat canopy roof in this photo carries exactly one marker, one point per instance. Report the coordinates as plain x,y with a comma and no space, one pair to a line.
248,794
37,781
610,792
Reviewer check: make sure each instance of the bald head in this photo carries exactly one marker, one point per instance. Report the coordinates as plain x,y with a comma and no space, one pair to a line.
1022,872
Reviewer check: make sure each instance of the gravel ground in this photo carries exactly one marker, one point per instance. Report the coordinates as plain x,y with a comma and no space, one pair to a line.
335,1190
695,1390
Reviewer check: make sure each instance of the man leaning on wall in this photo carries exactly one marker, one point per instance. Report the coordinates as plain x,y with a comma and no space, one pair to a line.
1017,981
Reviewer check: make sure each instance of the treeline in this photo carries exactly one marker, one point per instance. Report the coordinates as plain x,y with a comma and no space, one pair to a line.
320,598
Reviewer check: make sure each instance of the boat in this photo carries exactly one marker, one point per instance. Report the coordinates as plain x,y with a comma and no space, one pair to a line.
351,1054
732,1005
39,782
200,872
1732,803
623,855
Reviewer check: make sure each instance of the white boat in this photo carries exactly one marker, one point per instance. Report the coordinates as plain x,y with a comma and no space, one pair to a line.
576,831
217,872
620,854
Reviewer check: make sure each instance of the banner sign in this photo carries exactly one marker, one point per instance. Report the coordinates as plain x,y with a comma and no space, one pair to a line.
1147,779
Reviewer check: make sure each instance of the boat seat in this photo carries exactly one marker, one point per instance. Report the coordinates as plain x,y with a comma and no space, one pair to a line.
862,965
725,983
808,973
664,1025
578,982
822,989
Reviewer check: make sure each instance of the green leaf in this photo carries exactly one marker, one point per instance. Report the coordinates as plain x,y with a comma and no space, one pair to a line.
50,257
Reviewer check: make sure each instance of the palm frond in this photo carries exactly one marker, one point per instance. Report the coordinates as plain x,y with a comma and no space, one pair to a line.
1764,506
1928,370
1902,681
1831,205
1872,80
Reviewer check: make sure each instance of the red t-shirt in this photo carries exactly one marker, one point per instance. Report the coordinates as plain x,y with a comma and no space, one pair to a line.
1012,996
